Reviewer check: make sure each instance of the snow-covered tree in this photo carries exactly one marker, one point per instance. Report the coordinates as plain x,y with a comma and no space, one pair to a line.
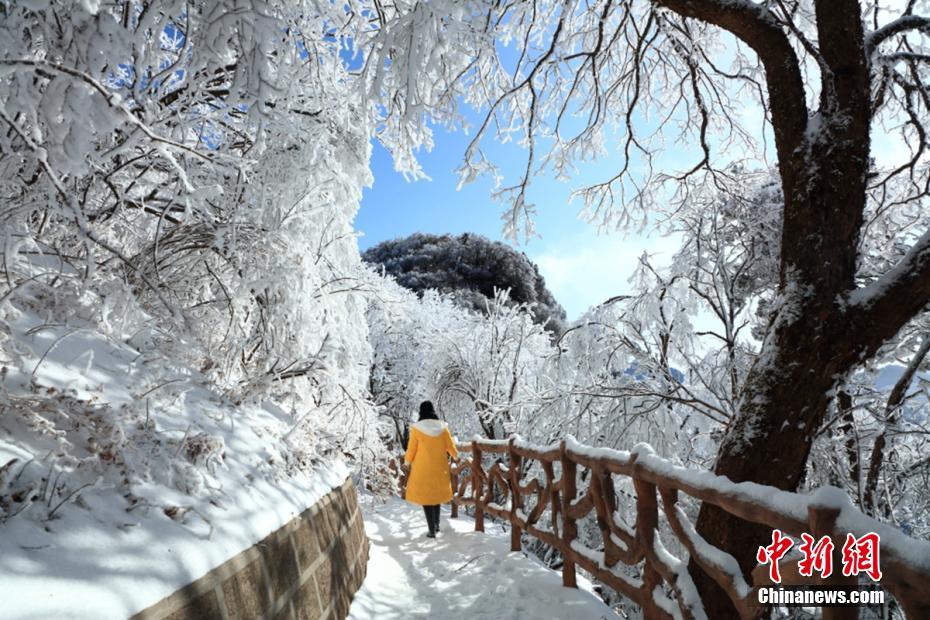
182,176
483,370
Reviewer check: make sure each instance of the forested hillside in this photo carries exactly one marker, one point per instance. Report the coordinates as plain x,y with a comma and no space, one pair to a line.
470,268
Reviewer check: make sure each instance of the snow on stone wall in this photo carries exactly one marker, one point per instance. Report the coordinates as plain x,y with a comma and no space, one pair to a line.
310,568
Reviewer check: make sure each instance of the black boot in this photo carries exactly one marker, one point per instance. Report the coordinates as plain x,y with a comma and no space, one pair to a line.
436,514
428,510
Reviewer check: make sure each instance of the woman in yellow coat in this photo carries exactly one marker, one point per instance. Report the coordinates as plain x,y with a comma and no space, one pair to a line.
428,449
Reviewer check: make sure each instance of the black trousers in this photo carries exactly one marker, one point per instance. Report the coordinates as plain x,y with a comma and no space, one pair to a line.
432,517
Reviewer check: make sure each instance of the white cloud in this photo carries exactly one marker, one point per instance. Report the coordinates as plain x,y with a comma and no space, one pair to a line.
585,269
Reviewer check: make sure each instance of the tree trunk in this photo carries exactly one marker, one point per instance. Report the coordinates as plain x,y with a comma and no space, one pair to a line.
848,431
817,332
809,343
782,408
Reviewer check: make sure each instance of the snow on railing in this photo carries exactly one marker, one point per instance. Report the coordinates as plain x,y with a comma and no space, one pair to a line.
827,511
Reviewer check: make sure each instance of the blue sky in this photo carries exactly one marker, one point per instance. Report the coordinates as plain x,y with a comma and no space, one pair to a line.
581,266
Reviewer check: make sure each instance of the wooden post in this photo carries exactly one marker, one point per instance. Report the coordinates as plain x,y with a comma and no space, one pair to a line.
647,520
822,521
554,497
476,485
516,501
454,478
569,528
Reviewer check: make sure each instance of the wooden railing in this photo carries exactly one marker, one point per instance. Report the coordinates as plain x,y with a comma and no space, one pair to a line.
544,502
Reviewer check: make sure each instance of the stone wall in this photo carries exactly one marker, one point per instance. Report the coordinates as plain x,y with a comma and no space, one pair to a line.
308,569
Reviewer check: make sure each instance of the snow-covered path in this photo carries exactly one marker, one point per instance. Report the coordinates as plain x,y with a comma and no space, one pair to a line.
460,574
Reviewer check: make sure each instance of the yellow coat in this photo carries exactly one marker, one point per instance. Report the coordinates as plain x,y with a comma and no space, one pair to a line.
428,483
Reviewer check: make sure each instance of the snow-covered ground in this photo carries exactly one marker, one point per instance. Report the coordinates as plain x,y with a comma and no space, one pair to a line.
460,574
124,478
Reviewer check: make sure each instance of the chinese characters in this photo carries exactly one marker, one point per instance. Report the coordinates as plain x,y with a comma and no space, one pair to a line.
859,555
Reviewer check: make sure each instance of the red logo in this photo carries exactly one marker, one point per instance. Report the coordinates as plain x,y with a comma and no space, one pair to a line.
771,554
817,556
860,555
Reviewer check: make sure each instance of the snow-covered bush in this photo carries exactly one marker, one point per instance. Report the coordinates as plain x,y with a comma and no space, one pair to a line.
180,178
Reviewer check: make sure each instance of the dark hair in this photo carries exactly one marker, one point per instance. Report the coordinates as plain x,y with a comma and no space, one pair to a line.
427,411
